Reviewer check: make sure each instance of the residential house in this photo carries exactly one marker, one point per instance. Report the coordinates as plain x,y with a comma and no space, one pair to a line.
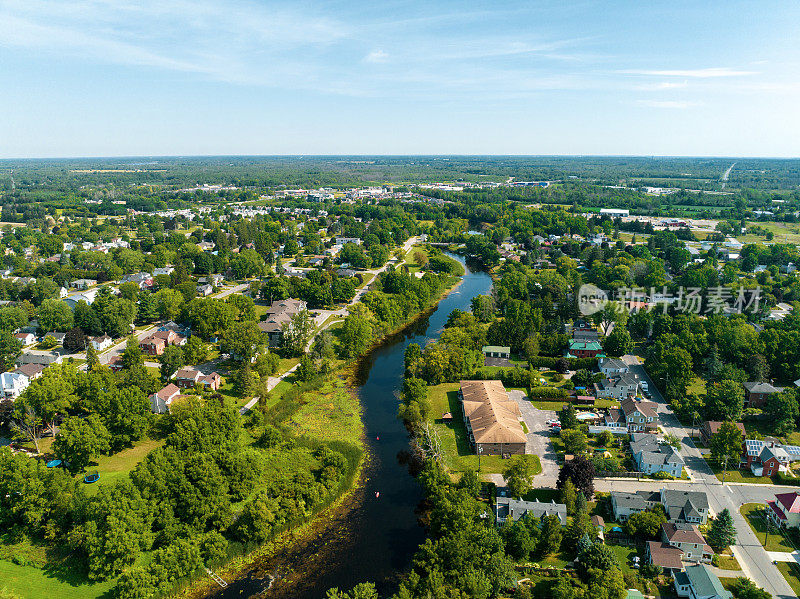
624,505
170,337
584,349
756,393
115,363
152,345
32,371
491,418
26,338
688,539
205,290
685,506
45,358
699,582
508,507
13,384
664,556
711,427
161,400
640,416
87,296
55,335
143,279
618,387
278,316
765,457
496,351
653,455
615,419
101,342
612,367
81,284
784,510
188,377
167,270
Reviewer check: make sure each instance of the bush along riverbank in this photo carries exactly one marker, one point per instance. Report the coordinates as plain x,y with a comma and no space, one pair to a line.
322,411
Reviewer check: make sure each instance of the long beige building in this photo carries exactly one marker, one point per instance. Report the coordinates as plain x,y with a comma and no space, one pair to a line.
491,418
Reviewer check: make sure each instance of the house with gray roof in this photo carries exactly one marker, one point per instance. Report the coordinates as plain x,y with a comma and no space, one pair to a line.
627,504
699,582
756,393
612,366
508,507
653,455
618,387
685,506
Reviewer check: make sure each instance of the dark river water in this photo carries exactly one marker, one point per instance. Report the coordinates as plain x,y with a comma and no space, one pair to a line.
378,537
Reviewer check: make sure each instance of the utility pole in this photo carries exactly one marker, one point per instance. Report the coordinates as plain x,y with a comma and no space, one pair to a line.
480,451
725,470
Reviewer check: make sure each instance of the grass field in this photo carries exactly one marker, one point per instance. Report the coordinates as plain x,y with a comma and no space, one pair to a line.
791,572
28,581
116,467
697,385
753,514
784,232
331,413
726,561
458,454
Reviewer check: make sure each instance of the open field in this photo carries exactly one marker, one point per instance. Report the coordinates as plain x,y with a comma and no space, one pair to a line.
28,581
331,413
116,467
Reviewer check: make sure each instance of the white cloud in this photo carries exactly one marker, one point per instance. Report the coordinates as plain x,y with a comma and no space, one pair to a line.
709,73
663,85
670,104
376,56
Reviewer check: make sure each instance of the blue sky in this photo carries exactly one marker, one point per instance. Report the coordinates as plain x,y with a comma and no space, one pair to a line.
189,77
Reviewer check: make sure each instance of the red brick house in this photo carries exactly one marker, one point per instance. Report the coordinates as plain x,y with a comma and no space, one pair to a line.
186,378
152,345
711,427
755,394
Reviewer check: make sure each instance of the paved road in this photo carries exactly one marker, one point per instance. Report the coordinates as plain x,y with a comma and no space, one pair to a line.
272,382
755,561
538,439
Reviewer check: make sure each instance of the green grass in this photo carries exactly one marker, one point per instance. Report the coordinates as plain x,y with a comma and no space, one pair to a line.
735,475
624,555
726,561
116,467
752,512
458,454
29,582
791,572
330,413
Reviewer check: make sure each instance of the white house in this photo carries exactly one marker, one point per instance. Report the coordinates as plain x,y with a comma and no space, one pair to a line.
612,366
13,383
101,342
161,400
26,338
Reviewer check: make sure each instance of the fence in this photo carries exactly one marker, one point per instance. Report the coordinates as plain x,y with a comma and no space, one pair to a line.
596,429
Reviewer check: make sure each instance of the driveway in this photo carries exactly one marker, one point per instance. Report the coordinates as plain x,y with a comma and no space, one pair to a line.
538,438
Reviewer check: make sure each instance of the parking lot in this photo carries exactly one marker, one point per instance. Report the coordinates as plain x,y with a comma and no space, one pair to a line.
538,438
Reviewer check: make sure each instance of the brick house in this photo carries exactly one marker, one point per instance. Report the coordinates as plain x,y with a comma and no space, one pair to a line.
187,378
152,345
711,427
755,394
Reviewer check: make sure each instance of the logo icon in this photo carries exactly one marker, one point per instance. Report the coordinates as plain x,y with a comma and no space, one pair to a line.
591,299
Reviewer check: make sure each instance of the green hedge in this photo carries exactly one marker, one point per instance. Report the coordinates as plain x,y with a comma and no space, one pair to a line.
548,393
574,363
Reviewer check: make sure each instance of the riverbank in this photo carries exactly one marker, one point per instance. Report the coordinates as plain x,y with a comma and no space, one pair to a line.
296,555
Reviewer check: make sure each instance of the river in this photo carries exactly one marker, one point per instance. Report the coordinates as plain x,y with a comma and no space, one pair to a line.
376,539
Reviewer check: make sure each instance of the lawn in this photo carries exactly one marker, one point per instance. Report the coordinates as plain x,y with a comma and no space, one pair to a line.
624,555
735,475
784,232
791,572
697,385
726,561
116,467
330,413
29,582
458,454
776,541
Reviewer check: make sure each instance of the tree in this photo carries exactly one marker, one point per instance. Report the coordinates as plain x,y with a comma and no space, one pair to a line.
519,476
550,537
28,424
724,401
75,340
195,351
306,370
726,444
356,334
645,525
598,557
51,395
782,411
581,472
363,590
722,532
619,342
672,441
171,361
54,315
92,359
605,439
242,340
297,333
80,440
10,348
569,496
581,525
132,356
568,417
574,441
744,588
